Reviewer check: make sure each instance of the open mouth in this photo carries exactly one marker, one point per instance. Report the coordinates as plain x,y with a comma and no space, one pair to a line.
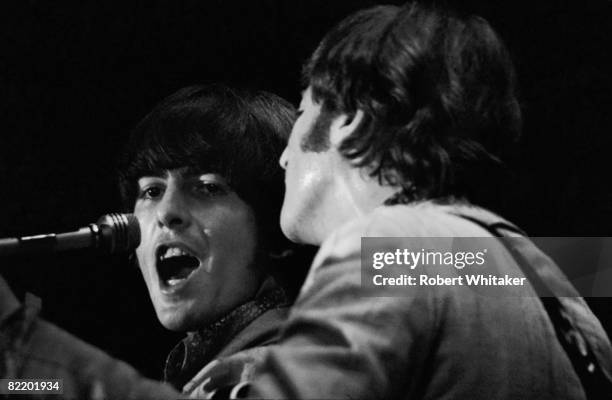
175,264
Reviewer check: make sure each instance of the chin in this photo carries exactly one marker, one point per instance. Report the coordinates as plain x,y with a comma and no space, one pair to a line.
303,225
175,322
297,234
173,325
291,234
291,230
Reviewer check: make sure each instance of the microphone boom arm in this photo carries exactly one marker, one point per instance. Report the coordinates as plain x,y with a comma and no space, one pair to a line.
113,233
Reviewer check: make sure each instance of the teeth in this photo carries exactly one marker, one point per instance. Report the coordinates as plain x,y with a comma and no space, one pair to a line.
173,252
172,282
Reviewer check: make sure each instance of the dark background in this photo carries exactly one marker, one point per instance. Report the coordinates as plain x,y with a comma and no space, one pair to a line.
76,76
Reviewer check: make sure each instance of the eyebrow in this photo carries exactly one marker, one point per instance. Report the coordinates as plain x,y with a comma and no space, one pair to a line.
183,172
195,172
153,174
163,173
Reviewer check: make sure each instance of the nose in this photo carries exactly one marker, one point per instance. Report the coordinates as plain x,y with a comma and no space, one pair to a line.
284,159
172,210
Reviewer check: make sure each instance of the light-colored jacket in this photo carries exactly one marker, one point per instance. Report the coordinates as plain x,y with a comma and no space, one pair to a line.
344,339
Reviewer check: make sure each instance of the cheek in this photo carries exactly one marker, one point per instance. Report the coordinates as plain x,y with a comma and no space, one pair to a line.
307,177
232,233
146,269
240,234
140,257
145,236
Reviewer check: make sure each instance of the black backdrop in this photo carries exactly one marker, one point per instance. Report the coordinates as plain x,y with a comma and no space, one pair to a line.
76,76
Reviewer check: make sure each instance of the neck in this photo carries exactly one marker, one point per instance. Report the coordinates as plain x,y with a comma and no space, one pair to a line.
363,192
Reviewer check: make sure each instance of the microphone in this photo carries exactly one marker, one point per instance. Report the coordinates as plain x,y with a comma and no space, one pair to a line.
113,233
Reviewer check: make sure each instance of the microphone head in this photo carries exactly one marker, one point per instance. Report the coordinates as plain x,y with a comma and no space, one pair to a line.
120,232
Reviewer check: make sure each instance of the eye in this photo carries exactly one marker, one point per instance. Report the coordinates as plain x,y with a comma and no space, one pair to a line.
150,192
210,188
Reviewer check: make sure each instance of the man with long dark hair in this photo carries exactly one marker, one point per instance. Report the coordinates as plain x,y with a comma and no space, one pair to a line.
210,250
402,123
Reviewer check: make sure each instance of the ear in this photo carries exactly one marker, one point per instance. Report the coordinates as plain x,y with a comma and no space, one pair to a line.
343,126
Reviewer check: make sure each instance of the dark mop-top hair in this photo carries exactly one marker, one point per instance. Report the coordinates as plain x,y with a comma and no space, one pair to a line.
215,129
438,93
